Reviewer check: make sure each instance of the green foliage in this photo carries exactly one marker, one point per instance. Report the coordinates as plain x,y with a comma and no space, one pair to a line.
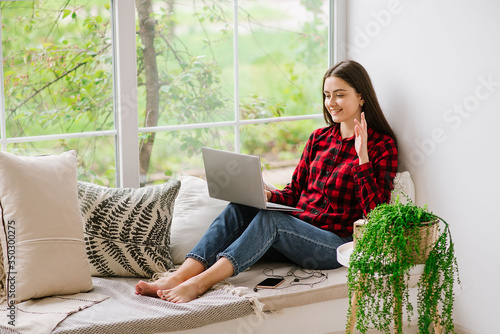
436,285
380,265
58,78
259,107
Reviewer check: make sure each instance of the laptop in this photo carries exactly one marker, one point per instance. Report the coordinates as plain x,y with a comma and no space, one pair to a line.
237,178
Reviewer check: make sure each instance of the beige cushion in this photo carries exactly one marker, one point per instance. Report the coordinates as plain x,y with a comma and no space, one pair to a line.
290,293
43,239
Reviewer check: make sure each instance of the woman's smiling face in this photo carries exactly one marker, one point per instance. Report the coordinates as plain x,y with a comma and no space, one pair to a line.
342,101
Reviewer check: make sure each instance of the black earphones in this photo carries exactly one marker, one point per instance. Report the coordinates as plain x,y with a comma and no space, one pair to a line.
297,278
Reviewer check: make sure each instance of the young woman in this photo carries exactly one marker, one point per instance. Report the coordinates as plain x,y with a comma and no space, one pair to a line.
346,169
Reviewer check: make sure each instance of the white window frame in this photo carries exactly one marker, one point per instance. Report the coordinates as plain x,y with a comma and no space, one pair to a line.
127,128
126,108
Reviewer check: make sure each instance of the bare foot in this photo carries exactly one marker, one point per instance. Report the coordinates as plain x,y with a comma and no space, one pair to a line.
152,289
184,292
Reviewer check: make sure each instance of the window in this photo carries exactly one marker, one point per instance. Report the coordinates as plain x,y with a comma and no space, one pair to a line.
58,82
235,66
242,76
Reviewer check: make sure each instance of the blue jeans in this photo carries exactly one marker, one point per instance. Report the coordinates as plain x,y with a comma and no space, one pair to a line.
244,234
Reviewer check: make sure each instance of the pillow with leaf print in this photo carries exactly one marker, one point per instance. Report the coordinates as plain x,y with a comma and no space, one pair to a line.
127,230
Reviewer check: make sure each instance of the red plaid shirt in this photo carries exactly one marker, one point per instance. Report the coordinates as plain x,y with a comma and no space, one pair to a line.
332,188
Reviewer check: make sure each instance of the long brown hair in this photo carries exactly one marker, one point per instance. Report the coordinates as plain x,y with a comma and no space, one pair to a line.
356,76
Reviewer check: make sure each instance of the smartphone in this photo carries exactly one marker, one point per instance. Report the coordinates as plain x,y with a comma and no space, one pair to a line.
270,283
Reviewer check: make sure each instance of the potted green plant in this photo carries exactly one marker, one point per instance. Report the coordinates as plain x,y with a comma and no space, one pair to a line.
395,239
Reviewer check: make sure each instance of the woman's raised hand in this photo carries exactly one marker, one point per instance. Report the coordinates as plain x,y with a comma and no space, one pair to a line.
268,195
361,140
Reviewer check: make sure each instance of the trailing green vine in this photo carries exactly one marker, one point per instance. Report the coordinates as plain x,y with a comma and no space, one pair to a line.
379,270
436,284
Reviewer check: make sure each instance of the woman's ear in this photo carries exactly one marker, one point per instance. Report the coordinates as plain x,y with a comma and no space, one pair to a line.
361,100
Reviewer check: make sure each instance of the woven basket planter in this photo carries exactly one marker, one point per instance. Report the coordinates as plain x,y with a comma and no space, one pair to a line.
428,235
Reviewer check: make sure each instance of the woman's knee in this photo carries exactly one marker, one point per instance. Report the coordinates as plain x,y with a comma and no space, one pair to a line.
239,209
267,220
278,219
235,215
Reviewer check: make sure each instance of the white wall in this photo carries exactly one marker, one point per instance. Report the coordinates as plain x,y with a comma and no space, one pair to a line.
429,59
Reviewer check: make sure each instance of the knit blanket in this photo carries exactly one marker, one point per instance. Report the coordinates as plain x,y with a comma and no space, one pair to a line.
124,312
41,316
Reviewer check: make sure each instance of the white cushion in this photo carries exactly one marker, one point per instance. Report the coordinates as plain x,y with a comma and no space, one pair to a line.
194,211
43,239
403,185
127,230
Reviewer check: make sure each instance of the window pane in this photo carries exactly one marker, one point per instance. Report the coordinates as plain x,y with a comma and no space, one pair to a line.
96,166
57,66
283,55
279,145
179,152
185,62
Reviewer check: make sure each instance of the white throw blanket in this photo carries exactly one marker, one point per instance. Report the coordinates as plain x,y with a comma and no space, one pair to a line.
126,312
40,316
